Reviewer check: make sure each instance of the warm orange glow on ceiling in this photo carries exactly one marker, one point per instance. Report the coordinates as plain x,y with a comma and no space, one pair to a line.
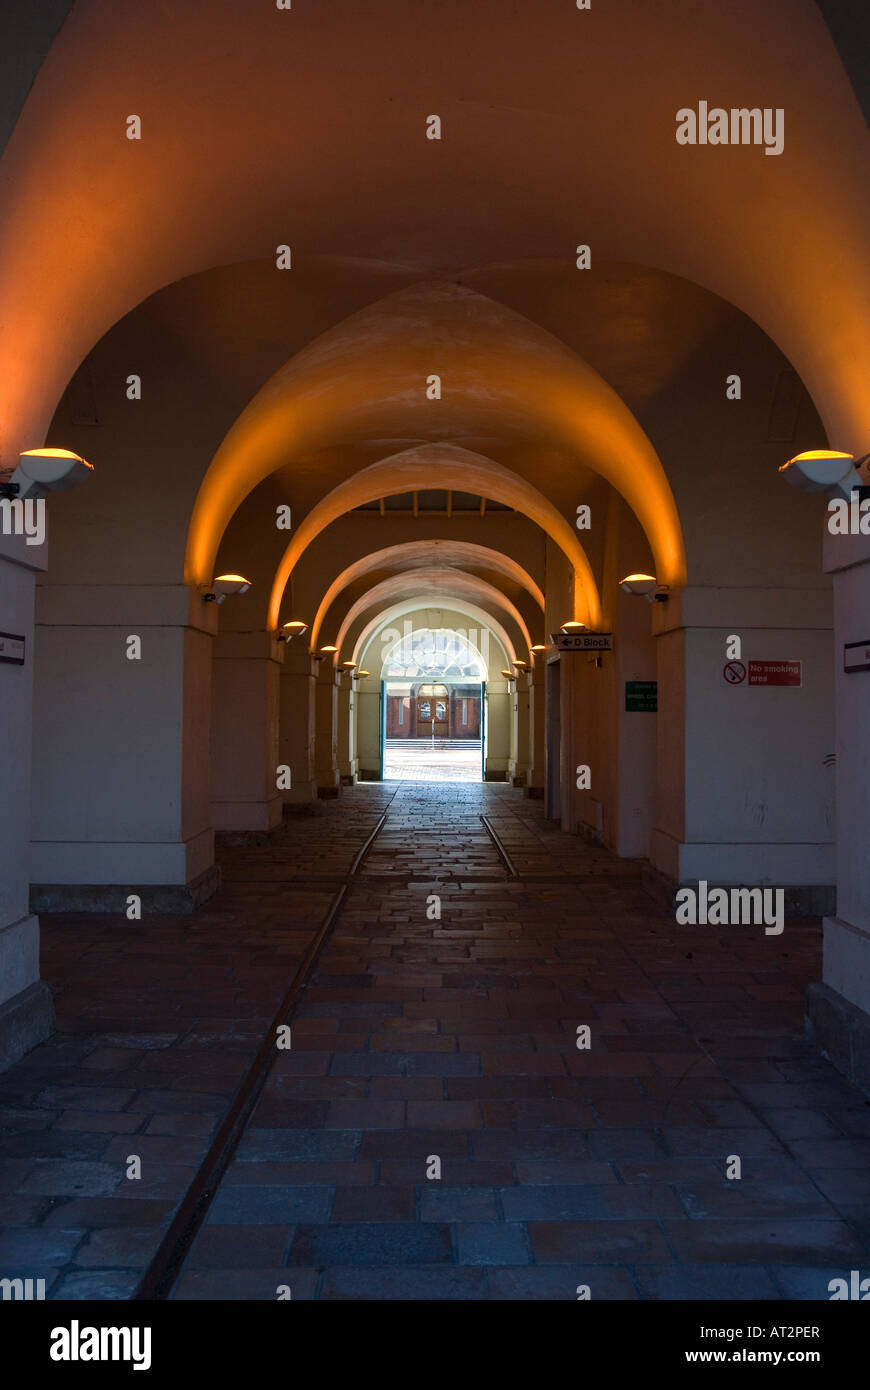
417,589
409,555
505,373
457,469
188,204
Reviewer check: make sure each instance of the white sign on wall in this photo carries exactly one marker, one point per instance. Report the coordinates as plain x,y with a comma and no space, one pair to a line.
12,648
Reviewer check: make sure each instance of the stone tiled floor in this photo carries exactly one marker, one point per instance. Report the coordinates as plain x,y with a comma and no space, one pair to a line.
454,1038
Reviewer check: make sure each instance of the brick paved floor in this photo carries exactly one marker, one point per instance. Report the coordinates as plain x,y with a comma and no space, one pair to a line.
452,1038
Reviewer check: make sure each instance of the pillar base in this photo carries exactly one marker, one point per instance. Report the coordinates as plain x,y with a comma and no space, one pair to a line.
228,817
534,793
26,1020
169,899
841,1030
328,793
299,794
801,899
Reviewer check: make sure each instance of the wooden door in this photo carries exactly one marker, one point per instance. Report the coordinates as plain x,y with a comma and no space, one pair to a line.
433,715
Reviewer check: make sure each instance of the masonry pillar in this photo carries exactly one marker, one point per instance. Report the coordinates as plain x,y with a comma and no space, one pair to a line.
522,705
296,721
367,716
537,774
499,712
744,795
244,734
326,733
122,696
838,1008
26,1005
347,763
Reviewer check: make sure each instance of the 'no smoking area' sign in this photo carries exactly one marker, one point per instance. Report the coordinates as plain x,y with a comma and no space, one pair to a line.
762,673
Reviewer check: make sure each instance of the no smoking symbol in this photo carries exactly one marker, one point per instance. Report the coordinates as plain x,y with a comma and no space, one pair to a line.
734,672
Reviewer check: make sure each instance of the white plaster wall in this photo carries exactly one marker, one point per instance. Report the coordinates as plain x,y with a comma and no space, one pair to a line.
244,732
852,609
19,931
747,797
120,764
637,730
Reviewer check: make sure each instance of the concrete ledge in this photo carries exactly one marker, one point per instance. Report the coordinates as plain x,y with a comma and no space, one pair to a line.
841,1030
232,817
801,899
26,1020
172,899
238,839
303,808
368,774
491,775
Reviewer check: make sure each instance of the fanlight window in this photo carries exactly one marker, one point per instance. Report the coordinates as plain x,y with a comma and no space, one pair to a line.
434,654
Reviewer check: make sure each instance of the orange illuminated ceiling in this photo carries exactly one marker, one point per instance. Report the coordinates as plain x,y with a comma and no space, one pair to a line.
365,630
499,375
411,556
424,586
555,132
456,468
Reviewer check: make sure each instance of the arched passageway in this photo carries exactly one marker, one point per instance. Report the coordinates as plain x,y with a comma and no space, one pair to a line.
433,652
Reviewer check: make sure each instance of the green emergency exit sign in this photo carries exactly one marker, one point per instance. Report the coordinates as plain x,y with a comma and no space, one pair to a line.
642,696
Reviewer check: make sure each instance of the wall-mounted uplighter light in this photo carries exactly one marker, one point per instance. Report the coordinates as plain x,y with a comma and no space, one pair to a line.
646,586
41,471
225,586
288,631
827,470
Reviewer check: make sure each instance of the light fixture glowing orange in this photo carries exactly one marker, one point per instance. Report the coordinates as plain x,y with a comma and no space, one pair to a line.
54,454
573,627
816,454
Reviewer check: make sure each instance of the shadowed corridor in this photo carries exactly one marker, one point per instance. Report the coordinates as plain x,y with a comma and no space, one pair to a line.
452,1037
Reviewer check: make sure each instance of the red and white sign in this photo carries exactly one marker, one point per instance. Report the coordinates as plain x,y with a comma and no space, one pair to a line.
775,673
762,673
